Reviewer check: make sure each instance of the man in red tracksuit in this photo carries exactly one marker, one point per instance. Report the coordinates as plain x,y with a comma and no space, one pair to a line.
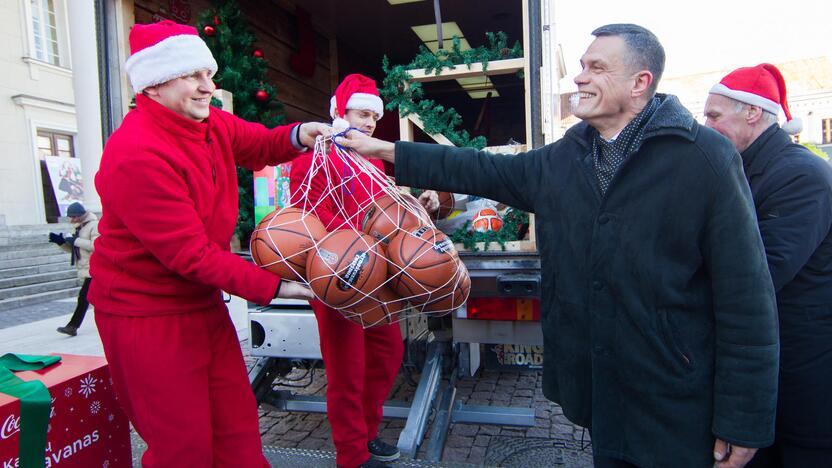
168,188
361,364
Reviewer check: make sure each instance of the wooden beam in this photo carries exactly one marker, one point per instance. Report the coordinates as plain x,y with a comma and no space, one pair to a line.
497,67
439,138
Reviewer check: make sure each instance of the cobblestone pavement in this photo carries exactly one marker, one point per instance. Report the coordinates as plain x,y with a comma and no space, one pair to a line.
553,441
33,313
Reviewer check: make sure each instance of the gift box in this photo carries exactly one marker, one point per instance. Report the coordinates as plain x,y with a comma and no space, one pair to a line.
86,428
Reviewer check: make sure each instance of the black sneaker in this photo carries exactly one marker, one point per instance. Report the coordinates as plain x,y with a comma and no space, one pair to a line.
68,330
371,463
382,451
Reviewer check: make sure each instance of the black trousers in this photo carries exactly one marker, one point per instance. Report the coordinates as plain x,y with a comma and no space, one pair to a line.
82,306
786,455
601,461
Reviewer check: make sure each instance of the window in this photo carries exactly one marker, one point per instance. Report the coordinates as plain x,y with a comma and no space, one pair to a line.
826,136
45,31
55,144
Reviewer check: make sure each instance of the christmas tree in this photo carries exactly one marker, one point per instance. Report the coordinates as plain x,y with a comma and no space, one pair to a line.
241,71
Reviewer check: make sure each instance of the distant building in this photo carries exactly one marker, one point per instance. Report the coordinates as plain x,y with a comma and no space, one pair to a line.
49,104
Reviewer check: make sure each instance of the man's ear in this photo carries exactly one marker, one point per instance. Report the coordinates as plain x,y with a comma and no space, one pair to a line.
643,80
151,91
753,114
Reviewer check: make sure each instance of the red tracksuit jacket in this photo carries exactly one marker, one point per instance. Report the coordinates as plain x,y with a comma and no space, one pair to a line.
168,189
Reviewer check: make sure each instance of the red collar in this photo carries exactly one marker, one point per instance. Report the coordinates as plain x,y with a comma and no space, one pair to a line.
172,122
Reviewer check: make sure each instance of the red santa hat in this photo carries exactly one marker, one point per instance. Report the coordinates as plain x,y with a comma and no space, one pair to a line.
162,51
761,86
355,92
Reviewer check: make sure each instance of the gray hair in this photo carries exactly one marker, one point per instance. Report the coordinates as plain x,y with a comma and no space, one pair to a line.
768,117
646,52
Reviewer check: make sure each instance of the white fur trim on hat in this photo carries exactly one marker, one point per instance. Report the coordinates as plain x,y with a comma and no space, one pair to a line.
748,98
339,125
168,59
362,101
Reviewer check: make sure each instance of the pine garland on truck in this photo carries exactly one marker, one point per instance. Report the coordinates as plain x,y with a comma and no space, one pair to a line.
407,96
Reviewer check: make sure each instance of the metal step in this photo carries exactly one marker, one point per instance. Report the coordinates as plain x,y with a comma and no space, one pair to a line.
36,269
15,302
281,457
42,260
21,291
26,280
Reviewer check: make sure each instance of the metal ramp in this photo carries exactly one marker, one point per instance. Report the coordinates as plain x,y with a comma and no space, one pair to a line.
293,457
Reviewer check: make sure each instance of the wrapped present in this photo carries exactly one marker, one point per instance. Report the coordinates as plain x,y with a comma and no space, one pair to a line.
63,412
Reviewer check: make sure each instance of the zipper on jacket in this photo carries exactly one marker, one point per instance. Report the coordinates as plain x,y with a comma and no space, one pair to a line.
208,142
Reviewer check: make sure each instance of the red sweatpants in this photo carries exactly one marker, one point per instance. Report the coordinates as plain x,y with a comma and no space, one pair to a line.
182,381
361,366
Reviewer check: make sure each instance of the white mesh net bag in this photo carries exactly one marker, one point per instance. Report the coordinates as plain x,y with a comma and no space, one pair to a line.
363,246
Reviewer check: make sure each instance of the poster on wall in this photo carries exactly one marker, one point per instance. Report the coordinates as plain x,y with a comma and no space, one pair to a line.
65,175
271,190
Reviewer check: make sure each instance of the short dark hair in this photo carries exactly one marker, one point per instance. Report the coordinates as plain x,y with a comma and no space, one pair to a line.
646,52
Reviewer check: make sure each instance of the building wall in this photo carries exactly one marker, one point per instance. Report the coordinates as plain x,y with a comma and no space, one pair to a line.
32,94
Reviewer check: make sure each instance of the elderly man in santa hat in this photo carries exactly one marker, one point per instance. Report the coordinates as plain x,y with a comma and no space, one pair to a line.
168,187
792,191
361,364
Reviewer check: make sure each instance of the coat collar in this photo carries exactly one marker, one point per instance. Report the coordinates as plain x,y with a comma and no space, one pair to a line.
170,121
671,118
759,154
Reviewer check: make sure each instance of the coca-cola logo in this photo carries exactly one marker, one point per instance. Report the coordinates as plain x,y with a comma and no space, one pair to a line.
11,426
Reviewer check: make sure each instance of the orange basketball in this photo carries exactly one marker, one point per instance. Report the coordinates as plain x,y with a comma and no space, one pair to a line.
346,267
446,205
385,216
381,309
487,220
282,241
421,261
451,297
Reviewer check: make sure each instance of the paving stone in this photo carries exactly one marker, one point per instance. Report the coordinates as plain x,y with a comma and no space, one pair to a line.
528,393
521,402
295,436
489,429
465,430
454,454
538,432
314,444
476,455
482,440
306,426
459,441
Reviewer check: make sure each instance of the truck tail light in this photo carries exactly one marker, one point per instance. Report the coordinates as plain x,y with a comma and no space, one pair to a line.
495,308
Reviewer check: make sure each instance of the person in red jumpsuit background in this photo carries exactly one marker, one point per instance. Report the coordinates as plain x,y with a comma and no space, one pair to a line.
361,364
168,188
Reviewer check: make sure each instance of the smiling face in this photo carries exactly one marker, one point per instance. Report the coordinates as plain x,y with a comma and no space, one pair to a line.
188,96
606,85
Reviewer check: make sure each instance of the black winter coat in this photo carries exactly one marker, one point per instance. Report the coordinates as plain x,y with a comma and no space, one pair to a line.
792,190
658,312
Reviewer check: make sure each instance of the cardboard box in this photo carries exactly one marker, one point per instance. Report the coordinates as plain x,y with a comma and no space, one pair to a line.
87,427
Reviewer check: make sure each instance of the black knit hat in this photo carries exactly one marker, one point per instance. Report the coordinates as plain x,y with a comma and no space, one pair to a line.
76,209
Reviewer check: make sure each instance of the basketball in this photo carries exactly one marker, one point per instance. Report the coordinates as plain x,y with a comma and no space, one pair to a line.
487,220
346,267
446,205
421,261
385,216
451,297
381,309
282,241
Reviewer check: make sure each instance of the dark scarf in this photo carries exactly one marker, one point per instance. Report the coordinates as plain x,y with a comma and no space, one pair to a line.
608,156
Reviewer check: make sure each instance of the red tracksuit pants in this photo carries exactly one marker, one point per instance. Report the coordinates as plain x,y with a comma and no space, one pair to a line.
182,381
361,366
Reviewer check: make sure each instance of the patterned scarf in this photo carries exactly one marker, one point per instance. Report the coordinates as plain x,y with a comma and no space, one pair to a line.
608,156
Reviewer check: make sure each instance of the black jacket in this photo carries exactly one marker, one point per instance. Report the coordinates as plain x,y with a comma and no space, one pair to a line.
658,311
792,190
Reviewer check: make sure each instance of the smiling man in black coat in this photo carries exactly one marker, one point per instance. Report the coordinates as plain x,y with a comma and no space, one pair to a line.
792,190
658,312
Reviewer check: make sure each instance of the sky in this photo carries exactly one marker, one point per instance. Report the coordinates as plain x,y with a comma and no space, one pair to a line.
702,35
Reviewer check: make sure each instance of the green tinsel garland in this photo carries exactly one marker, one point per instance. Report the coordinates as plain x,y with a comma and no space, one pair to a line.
513,222
408,97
